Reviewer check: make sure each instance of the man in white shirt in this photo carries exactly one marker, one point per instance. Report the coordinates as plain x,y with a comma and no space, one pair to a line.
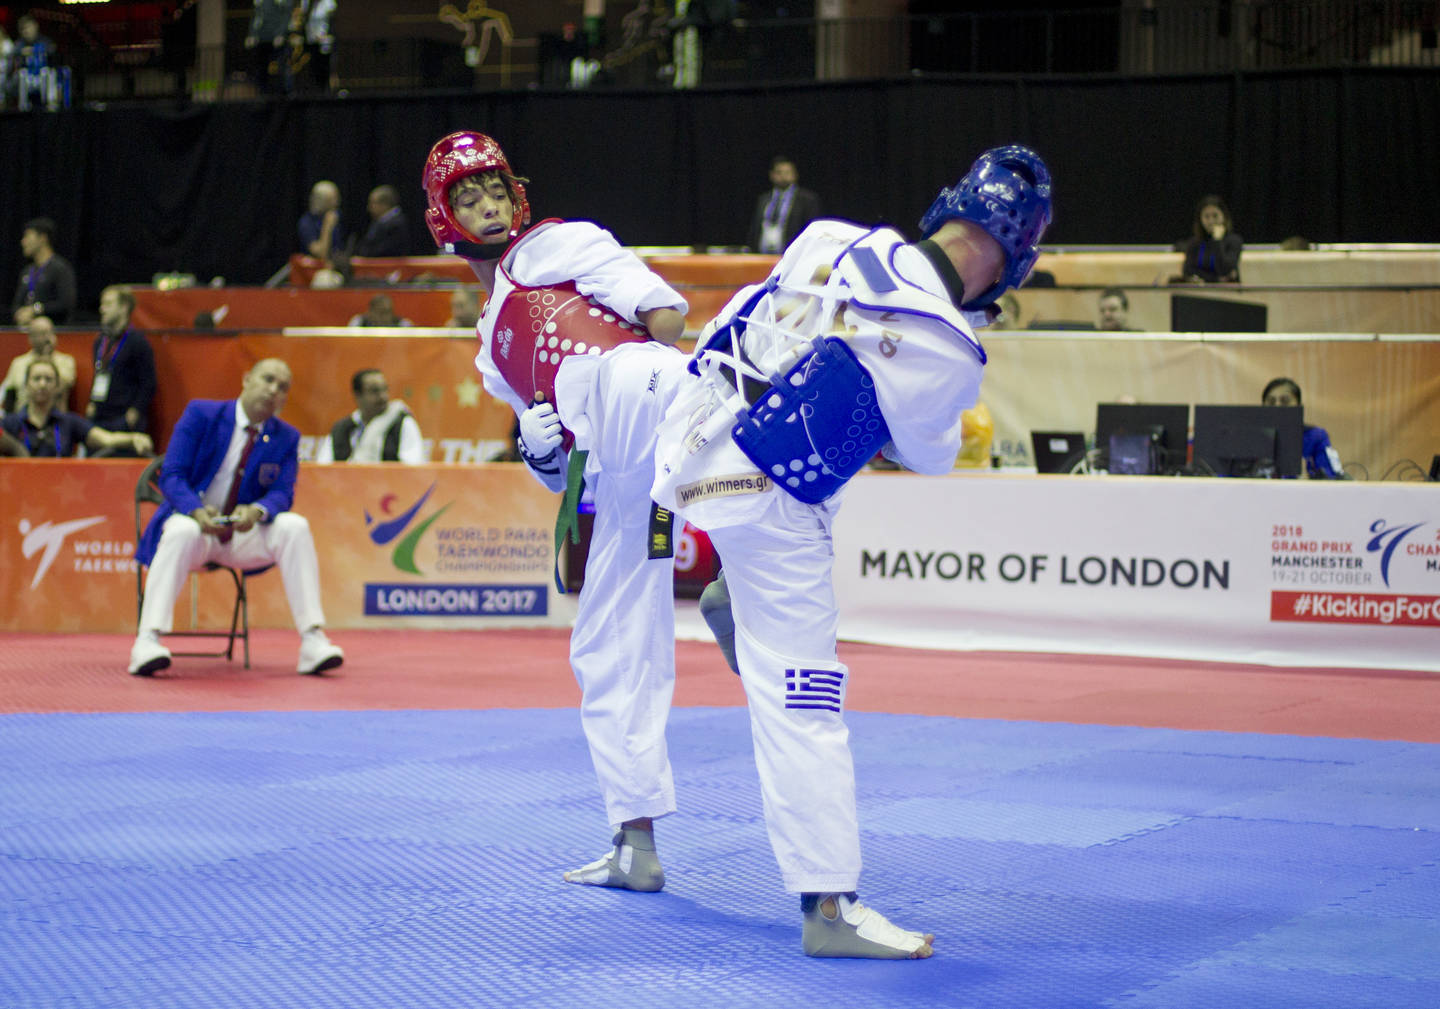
380,429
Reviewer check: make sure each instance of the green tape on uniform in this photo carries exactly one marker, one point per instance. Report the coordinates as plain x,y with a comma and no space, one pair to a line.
568,519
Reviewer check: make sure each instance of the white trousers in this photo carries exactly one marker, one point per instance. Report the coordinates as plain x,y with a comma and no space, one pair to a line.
779,573
622,649
286,543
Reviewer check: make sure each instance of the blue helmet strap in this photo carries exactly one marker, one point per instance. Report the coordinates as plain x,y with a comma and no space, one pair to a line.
949,276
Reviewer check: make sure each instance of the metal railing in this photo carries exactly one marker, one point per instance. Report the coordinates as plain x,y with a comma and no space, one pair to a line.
638,51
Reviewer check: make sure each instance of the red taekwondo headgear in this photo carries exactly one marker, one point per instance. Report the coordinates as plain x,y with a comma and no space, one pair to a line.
456,157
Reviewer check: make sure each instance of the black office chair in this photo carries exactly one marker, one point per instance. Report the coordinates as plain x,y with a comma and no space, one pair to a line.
147,491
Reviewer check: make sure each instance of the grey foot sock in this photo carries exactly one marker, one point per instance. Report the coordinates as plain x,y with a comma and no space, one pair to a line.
857,931
631,864
715,608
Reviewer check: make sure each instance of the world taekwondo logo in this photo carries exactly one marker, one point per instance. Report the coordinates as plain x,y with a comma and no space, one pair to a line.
461,550
47,538
1385,540
383,531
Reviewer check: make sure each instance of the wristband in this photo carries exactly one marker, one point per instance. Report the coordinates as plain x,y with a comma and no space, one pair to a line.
525,454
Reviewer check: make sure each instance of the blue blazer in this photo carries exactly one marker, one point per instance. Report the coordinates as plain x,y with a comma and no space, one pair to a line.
196,450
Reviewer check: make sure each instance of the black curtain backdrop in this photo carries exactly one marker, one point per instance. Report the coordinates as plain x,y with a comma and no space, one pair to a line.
1344,155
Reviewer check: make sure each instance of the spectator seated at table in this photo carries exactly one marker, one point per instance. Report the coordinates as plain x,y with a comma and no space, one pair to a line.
320,231
464,309
1114,309
1322,462
41,331
379,430
381,313
49,432
1212,252
388,234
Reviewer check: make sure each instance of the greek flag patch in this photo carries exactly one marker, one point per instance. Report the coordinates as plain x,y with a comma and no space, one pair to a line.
814,688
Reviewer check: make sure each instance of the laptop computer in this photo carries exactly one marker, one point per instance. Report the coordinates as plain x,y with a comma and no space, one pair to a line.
1057,451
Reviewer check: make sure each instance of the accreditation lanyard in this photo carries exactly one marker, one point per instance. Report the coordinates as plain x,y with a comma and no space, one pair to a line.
100,386
779,205
54,428
103,363
32,280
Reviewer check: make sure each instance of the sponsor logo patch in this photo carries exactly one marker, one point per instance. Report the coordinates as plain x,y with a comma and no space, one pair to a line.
722,486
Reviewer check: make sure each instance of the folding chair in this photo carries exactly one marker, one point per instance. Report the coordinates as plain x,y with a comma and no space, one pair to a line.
147,491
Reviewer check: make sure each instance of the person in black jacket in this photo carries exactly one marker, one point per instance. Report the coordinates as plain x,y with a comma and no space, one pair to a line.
783,210
1212,253
124,382
388,234
47,283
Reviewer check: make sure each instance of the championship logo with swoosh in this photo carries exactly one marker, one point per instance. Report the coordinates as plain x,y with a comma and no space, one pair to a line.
384,530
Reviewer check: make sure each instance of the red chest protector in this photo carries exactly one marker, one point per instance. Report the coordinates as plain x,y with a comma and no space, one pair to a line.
536,328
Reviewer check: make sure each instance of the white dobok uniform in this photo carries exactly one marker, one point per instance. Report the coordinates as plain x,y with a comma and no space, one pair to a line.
897,315
622,649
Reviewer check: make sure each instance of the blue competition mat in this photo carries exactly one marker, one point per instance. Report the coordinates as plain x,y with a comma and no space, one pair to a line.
413,859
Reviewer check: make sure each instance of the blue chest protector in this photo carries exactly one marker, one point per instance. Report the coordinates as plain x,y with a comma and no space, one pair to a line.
818,424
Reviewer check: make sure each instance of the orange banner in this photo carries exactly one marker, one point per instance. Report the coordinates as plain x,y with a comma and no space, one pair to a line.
400,546
299,308
435,377
706,283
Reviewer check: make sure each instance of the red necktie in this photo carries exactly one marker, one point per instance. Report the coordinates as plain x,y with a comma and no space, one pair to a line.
232,498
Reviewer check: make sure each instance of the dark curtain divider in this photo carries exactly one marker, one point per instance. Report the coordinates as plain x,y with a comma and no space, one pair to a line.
1343,155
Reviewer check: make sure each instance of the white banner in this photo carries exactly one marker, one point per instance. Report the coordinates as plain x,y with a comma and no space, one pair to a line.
1285,572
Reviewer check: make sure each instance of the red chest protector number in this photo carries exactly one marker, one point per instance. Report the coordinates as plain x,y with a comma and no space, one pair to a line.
539,327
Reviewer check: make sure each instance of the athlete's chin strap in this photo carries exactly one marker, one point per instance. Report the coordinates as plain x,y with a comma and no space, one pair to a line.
474,250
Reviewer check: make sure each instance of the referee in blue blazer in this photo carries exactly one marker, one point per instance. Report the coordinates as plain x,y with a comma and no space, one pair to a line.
229,481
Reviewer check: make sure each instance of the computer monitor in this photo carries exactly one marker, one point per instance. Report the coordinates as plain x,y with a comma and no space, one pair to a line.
1191,313
1258,441
1144,438
1057,451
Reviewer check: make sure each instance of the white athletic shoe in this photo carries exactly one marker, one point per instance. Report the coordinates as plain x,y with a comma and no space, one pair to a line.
148,656
631,865
317,653
859,931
